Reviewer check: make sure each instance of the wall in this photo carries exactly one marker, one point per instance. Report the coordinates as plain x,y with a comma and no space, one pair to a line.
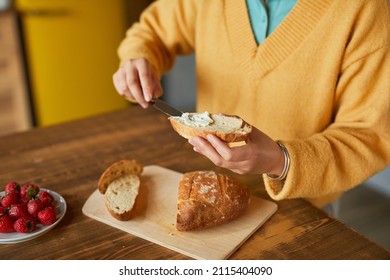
380,182
180,84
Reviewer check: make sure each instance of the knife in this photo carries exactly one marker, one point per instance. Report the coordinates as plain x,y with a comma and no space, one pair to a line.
165,107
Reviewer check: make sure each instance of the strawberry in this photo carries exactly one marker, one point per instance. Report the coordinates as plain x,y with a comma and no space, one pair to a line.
46,198
29,191
6,224
17,211
34,206
9,199
25,225
47,216
12,187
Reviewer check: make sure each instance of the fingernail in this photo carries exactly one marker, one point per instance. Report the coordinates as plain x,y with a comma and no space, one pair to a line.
210,138
144,105
193,141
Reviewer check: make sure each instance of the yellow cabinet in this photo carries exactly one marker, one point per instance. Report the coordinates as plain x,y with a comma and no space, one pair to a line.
71,56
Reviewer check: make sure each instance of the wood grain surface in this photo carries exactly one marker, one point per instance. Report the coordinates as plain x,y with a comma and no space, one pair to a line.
69,159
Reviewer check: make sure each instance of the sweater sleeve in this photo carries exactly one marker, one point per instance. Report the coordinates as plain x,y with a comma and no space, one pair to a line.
357,144
165,29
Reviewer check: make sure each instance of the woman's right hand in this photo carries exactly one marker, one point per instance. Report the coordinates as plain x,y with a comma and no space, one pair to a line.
137,80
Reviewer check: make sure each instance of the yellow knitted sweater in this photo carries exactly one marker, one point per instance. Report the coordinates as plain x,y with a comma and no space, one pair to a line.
320,83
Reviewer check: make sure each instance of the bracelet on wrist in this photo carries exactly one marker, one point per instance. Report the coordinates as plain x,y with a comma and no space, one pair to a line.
286,166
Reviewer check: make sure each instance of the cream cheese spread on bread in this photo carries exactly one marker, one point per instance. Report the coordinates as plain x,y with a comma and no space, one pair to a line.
228,128
196,119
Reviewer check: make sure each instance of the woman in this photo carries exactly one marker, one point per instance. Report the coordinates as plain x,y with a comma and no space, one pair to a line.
312,77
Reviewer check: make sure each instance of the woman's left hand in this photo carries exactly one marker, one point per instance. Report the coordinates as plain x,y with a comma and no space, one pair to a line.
259,155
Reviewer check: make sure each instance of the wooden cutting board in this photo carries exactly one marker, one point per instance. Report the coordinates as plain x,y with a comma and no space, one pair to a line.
155,218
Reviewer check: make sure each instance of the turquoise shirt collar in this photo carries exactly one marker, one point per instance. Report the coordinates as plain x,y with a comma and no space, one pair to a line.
265,16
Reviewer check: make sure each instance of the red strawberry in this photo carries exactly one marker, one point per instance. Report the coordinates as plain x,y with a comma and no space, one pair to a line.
6,224
47,216
12,187
25,225
29,191
46,198
18,211
34,206
9,199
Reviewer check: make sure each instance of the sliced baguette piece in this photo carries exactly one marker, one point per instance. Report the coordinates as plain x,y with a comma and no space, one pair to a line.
120,196
207,199
228,128
116,170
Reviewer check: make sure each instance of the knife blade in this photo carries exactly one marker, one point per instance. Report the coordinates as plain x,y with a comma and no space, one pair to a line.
165,107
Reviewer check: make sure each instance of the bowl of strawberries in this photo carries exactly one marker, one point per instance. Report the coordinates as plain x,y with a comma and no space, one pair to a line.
28,211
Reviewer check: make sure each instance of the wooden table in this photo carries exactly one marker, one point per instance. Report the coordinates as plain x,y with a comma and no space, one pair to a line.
69,159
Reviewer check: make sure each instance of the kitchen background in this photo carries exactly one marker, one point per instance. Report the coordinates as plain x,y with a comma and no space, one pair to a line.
57,58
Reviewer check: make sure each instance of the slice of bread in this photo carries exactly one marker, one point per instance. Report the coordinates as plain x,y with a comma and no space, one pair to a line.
227,128
207,199
116,170
121,195
120,185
